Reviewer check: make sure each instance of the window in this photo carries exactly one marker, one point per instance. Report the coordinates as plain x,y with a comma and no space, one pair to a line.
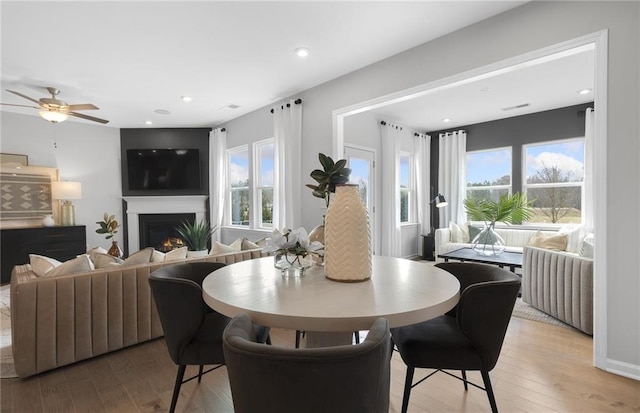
238,175
407,190
251,183
554,180
264,182
489,173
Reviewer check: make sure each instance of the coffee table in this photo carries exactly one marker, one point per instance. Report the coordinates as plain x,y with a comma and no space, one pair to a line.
512,260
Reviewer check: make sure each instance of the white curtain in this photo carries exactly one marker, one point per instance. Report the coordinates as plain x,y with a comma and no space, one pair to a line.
217,178
287,131
390,136
422,157
588,199
452,176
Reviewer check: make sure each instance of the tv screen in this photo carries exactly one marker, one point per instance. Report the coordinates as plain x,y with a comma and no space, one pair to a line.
163,169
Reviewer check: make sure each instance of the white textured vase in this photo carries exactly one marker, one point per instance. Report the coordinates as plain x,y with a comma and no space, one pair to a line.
48,221
347,250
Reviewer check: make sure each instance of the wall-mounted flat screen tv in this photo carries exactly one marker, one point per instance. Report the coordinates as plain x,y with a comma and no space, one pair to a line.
163,169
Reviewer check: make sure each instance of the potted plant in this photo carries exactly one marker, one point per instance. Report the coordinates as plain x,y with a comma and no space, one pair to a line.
196,235
109,225
331,174
510,209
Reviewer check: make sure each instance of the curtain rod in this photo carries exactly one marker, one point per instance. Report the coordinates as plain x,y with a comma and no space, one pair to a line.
393,126
297,102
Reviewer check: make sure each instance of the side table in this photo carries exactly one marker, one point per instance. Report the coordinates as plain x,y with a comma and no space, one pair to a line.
428,244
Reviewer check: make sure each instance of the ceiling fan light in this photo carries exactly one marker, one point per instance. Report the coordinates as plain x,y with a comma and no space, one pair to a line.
52,116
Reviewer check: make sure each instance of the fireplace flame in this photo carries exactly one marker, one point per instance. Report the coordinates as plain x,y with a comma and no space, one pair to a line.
171,243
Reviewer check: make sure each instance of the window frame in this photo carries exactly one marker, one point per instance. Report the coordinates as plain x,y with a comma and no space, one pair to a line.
257,189
230,190
526,186
411,189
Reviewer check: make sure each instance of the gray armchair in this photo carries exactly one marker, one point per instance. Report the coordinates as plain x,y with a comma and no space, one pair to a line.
272,379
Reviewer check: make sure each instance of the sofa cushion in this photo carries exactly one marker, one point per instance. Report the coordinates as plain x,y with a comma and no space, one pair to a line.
550,242
459,233
105,260
587,247
95,250
81,263
219,248
140,257
248,245
173,255
41,265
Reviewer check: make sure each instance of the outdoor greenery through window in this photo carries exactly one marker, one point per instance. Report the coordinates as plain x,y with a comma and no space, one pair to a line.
489,173
251,183
555,180
406,188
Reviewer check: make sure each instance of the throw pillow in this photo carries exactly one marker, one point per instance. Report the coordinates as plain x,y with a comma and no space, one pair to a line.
586,250
550,242
575,235
173,255
140,257
105,260
459,233
41,265
79,264
248,245
237,244
262,242
95,250
219,248
473,232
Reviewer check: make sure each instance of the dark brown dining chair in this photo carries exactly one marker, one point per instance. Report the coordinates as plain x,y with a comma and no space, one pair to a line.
470,336
340,379
192,330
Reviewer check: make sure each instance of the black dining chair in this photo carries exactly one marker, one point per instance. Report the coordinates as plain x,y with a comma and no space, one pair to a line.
273,379
467,338
192,330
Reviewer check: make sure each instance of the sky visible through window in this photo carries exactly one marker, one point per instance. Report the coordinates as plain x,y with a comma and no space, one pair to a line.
488,165
567,156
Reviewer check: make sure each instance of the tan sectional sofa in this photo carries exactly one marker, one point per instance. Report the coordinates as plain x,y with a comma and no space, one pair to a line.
56,321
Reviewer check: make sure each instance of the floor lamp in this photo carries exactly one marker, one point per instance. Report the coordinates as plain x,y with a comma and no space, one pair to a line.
428,241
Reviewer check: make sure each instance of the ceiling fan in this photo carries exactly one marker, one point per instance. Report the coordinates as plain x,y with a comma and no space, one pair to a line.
55,110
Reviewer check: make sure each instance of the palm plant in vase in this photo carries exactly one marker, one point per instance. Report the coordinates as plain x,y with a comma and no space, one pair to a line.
196,235
510,209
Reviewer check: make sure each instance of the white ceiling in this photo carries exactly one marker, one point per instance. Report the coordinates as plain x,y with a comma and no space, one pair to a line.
132,58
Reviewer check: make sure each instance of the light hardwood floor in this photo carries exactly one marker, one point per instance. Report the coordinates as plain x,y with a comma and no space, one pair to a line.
542,368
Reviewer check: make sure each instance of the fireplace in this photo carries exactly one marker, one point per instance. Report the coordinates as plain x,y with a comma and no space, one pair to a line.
159,230
137,207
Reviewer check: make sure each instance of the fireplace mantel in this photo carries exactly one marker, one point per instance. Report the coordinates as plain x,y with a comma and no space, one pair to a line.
137,205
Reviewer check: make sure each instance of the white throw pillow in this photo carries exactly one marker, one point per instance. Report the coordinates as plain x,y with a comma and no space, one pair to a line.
237,244
140,257
586,250
459,233
173,255
95,250
41,265
79,264
220,248
106,260
248,245
575,235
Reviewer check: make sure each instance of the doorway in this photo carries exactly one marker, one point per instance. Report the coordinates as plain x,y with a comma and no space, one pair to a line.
361,160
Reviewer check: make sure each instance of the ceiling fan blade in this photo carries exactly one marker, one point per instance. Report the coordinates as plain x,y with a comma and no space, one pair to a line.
80,115
83,106
22,106
23,96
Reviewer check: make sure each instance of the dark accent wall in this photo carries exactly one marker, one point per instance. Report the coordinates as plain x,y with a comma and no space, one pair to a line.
550,125
155,138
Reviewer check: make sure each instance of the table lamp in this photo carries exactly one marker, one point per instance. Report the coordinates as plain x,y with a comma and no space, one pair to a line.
65,190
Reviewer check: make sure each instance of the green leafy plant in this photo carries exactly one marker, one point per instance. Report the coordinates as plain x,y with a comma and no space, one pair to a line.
109,225
510,209
331,174
196,235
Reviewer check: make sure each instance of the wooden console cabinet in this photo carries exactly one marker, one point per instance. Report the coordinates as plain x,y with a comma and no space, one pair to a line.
61,243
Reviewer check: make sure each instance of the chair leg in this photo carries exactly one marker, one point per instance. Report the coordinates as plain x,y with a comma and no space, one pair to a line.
298,332
489,389
176,387
268,340
464,376
356,335
200,373
407,389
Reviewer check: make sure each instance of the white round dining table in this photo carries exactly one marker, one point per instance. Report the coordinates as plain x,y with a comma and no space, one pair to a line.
402,291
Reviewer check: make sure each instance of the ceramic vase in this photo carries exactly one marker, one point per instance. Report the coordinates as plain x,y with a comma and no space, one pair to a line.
48,221
115,250
347,237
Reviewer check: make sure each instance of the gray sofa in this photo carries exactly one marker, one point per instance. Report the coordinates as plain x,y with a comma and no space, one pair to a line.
559,284
60,320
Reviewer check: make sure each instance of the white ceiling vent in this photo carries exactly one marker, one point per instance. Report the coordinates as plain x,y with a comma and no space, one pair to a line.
229,107
520,106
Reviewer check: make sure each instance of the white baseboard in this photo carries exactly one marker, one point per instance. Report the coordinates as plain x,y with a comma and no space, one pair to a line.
623,369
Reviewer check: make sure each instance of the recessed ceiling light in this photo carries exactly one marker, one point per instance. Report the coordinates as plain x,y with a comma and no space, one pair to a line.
584,91
302,52
148,122
186,98
446,120
485,89
162,112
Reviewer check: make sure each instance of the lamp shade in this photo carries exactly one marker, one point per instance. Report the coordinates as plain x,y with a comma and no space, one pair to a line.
440,201
66,190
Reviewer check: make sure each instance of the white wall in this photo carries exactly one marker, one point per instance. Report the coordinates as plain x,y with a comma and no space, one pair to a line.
86,153
530,27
